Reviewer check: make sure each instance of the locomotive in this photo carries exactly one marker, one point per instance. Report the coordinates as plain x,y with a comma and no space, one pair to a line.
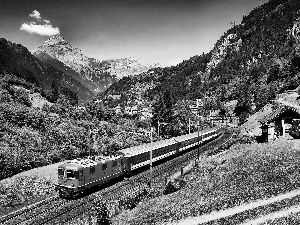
76,176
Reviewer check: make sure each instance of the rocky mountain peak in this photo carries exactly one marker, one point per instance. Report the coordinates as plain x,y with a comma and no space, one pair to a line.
55,40
57,45
88,71
57,37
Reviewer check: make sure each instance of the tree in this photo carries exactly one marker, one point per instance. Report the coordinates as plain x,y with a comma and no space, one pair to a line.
54,92
163,109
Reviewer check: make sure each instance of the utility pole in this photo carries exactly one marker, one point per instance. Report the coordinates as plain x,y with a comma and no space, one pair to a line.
198,153
89,139
158,128
151,160
189,125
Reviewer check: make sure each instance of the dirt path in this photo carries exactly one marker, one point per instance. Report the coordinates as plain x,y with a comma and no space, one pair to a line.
215,215
273,216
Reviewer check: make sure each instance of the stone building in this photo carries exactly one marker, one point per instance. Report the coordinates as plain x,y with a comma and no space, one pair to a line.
278,122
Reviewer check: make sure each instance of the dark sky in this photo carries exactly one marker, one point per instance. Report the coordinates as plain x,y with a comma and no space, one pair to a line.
149,30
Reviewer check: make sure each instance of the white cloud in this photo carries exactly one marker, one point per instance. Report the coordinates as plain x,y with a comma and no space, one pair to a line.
42,29
36,14
45,29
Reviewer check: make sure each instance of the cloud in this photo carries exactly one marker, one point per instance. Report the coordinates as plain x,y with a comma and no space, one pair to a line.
43,28
36,14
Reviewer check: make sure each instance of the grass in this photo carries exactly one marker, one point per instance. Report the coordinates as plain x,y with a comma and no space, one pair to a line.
27,187
289,219
243,174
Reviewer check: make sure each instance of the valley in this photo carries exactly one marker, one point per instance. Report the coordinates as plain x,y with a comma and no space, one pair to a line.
58,104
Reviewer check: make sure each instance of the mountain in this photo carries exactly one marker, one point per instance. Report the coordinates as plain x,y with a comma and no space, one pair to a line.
88,71
129,66
251,63
16,59
94,74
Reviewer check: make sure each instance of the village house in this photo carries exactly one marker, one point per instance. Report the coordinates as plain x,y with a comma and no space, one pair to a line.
118,109
146,113
82,108
196,108
131,110
97,101
114,97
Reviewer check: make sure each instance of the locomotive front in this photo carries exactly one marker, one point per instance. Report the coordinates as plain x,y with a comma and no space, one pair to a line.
70,179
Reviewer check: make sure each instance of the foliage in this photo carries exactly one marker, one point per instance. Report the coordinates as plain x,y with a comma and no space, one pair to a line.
102,213
32,137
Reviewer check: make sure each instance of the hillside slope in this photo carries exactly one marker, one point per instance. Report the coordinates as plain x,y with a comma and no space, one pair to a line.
251,63
16,59
230,188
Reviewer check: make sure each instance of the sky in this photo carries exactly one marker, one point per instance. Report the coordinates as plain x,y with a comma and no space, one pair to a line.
152,31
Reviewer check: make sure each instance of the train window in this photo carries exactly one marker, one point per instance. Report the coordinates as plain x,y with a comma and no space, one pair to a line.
104,166
72,174
115,163
92,170
61,172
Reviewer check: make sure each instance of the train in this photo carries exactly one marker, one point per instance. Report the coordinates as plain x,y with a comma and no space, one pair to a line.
78,175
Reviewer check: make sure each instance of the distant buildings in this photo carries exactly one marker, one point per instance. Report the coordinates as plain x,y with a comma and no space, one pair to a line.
82,108
118,109
144,112
196,106
114,97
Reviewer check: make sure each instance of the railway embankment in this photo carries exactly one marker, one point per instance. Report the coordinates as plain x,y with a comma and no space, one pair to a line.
248,182
27,188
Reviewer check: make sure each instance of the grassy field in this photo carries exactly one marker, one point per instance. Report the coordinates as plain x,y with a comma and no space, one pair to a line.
27,187
243,174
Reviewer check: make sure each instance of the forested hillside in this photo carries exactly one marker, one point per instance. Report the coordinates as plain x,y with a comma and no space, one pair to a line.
40,121
33,136
251,63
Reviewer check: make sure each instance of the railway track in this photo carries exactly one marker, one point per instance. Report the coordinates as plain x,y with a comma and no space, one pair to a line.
139,181
19,216
55,210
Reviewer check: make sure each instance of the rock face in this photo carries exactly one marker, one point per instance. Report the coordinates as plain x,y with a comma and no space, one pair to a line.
94,74
295,31
16,59
229,43
90,72
128,66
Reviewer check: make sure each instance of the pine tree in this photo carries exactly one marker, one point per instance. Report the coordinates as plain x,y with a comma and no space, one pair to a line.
54,92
